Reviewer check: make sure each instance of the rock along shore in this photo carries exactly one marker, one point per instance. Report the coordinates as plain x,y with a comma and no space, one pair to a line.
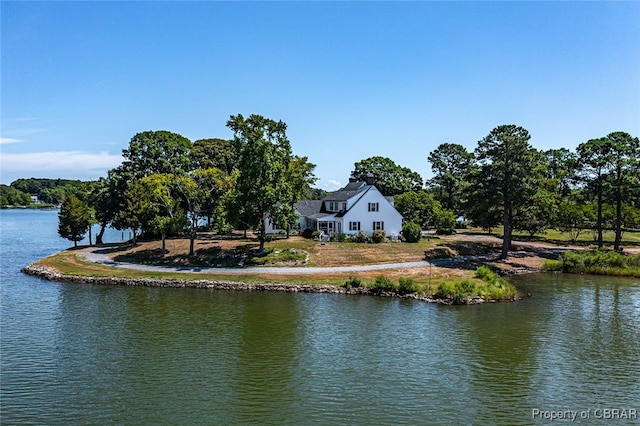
52,275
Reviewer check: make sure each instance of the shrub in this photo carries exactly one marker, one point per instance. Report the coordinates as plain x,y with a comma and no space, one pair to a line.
382,283
307,233
339,237
407,285
411,232
352,282
315,235
378,236
486,274
465,288
445,290
361,237
446,231
605,262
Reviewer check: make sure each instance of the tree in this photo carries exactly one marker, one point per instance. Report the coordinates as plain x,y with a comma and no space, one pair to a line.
507,157
73,219
623,179
561,168
11,196
572,218
215,153
417,206
107,199
265,154
450,164
296,186
160,208
594,156
390,179
481,202
157,152
214,185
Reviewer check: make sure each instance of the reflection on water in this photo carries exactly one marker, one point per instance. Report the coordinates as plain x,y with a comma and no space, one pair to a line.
81,354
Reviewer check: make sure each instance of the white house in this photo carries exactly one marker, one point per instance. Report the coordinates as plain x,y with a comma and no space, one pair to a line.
357,206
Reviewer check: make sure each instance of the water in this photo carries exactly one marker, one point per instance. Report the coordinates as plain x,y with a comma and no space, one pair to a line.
83,354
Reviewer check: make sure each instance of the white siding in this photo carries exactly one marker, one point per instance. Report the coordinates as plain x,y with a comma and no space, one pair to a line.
359,212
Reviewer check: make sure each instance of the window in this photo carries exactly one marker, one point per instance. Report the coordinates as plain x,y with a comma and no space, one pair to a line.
344,206
378,226
373,207
354,226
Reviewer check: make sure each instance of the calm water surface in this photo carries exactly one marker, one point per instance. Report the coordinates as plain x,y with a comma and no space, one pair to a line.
83,354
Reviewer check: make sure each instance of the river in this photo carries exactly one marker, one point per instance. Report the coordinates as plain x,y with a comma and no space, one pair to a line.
85,354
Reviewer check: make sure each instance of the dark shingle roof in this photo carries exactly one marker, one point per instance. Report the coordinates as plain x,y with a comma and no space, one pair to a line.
347,192
309,207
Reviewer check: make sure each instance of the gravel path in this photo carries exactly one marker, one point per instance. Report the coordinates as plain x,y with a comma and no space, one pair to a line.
101,258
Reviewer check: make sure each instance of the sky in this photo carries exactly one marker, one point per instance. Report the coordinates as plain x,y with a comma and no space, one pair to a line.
352,80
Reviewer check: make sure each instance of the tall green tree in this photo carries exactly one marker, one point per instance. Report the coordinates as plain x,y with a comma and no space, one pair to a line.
215,153
482,204
508,159
594,157
157,152
390,178
74,219
161,208
417,206
560,167
265,154
623,178
450,164
214,185
296,186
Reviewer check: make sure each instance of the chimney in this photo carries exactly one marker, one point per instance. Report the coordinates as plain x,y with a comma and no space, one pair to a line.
370,179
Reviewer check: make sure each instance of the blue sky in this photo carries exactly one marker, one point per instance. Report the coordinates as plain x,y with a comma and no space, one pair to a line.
351,80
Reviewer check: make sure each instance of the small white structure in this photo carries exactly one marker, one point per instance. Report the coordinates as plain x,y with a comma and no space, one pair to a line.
359,206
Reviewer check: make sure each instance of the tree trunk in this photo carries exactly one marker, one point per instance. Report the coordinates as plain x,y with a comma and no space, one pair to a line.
163,249
103,227
506,238
192,239
599,224
90,239
261,235
618,240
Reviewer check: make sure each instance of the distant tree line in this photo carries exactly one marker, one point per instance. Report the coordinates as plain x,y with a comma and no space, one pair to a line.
48,191
168,185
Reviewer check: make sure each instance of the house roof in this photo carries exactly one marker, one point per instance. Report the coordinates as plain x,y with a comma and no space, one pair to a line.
308,207
347,192
316,209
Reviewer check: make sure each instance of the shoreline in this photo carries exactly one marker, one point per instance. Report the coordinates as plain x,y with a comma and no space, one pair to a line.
50,274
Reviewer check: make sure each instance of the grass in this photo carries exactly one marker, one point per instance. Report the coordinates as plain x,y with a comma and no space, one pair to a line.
586,238
597,262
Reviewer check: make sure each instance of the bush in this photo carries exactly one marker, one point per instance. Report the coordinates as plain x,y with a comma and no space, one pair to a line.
378,236
411,232
352,282
486,274
339,237
361,237
407,285
604,262
315,235
446,232
382,283
307,233
445,290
